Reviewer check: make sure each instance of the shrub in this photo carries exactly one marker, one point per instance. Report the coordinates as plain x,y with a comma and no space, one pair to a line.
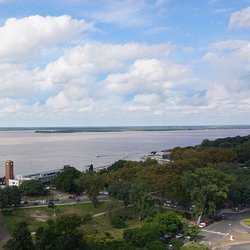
87,218
6,212
118,222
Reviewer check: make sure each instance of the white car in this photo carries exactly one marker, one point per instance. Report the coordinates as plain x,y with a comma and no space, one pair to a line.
202,224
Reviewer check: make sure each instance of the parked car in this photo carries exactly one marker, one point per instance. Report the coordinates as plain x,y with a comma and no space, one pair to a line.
202,224
165,238
179,235
208,222
220,217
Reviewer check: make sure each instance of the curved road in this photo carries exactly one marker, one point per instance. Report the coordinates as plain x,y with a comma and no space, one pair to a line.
217,230
240,247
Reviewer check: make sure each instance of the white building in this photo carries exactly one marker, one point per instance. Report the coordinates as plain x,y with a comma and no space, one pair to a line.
13,183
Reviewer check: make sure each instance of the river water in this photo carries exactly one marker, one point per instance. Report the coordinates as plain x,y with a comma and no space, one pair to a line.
35,152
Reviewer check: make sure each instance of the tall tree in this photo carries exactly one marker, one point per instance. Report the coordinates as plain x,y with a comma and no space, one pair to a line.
143,202
208,188
146,206
66,180
92,183
140,237
10,197
120,191
21,239
32,187
60,234
168,223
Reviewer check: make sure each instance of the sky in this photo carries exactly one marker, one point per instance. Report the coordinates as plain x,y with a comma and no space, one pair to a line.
124,62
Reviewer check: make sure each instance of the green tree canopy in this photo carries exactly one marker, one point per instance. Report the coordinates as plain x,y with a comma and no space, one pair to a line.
239,194
66,180
168,223
10,197
32,187
208,188
140,237
60,234
143,202
20,239
92,183
120,191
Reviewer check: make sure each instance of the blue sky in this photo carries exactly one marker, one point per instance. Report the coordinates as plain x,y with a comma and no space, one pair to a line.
124,62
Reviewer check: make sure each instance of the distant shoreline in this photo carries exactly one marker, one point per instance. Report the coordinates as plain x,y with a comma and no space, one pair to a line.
119,128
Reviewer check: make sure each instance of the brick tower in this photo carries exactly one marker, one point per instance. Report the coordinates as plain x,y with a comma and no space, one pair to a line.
9,171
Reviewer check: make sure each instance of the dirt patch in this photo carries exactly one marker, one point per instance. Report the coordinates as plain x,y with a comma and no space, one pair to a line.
39,216
72,210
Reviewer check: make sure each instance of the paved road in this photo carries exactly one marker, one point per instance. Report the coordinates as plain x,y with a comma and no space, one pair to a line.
4,235
240,247
217,230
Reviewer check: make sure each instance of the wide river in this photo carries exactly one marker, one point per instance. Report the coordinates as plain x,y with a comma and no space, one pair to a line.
35,152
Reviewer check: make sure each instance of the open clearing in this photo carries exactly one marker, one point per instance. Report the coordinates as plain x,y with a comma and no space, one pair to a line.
37,216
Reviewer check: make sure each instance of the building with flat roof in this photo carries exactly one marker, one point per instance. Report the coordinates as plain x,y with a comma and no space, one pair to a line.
15,183
45,176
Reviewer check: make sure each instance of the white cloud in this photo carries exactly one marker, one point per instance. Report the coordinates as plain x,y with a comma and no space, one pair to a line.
227,77
98,80
21,38
233,53
146,75
143,108
72,84
122,12
240,19
82,63
10,106
211,56
16,80
71,99
228,44
147,98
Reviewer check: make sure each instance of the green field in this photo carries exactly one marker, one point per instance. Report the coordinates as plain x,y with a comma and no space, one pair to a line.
101,224
37,216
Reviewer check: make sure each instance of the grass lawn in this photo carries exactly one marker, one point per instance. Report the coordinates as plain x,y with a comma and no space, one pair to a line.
36,217
101,224
246,222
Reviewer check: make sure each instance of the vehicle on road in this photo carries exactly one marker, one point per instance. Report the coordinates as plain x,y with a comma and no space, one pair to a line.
202,224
